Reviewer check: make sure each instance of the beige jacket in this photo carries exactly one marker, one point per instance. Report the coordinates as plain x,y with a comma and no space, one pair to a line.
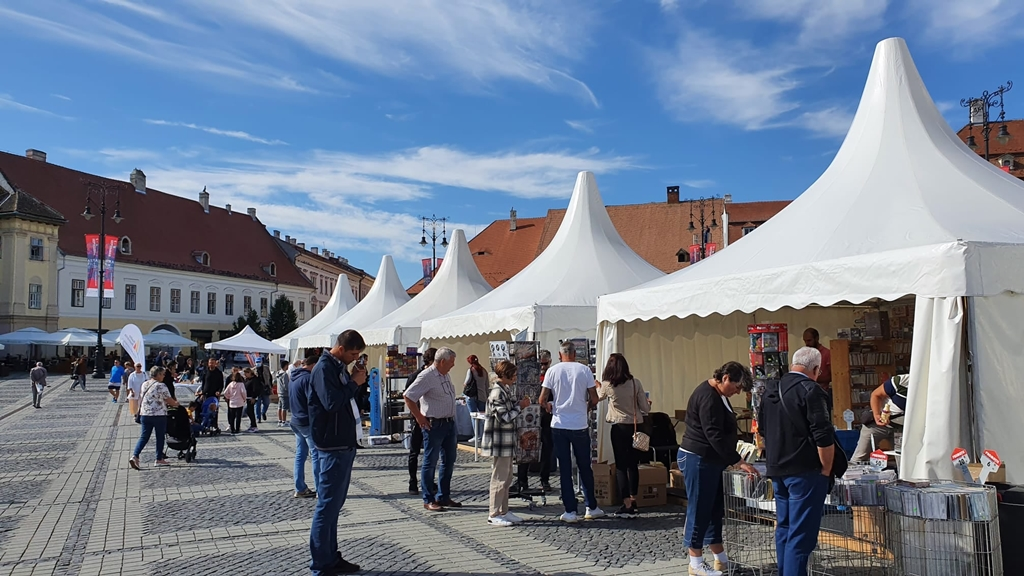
623,400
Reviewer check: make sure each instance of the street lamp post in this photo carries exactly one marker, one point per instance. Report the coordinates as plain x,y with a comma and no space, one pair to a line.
434,221
703,204
101,189
978,110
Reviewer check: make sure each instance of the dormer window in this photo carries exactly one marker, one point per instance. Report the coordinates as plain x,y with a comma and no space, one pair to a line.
201,257
126,245
270,269
1006,161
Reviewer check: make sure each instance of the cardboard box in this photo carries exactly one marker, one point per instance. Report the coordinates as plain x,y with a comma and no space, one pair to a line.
605,488
997,476
653,486
676,479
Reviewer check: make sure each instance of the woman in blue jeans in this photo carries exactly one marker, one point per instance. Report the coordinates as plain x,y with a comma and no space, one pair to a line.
477,387
153,410
707,449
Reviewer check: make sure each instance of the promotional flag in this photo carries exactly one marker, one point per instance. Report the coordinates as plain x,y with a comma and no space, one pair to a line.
694,253
426,269
131,340
108,268
92,250
711,248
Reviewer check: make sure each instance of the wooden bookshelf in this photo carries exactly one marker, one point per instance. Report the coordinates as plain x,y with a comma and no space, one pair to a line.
862,357
841,397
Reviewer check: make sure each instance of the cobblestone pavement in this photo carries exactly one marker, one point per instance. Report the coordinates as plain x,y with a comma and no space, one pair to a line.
71,506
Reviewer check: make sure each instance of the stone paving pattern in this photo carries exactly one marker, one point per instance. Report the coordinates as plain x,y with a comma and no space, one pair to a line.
71,506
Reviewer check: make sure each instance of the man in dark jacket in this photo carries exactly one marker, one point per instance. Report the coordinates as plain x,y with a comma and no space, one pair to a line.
213,383
333,418
800,447
298,398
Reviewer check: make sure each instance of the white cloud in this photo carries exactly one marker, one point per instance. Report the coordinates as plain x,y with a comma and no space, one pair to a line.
820,21
61,97
828,122
219,132
8,101
705,78
669,5
585,126
970,26
699,183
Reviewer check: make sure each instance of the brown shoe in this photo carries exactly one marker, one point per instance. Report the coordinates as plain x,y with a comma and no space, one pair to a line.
433,507
451,503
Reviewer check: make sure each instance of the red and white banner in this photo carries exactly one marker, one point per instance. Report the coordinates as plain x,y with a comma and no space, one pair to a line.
92,249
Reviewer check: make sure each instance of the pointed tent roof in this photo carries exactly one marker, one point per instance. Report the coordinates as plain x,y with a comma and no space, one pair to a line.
904,208
559,289
341,301
457,283
247,341
385,296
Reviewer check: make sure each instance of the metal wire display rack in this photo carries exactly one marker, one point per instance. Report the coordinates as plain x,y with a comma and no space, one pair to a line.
943,528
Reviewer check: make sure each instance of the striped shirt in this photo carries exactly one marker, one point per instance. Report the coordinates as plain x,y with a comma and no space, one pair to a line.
434,392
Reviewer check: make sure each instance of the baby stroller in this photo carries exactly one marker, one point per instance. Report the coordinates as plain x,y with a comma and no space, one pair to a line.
179,434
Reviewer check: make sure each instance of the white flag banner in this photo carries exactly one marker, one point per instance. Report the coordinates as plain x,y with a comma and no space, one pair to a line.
131,340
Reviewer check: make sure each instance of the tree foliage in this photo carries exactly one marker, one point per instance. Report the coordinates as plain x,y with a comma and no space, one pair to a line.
252,319
282,318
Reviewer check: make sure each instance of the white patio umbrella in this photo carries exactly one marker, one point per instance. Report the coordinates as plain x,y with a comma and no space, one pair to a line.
168,339
28,336
76,337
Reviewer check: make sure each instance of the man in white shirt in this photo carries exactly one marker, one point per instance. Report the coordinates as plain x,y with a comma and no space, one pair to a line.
573,390
135,381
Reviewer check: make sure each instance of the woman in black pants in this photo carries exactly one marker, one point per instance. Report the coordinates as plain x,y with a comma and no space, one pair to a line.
627,404
253,391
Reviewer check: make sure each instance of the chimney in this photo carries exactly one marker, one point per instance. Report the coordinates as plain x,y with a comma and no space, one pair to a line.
512,222
228,208
727,198
301,245
251,212
204,199
277,234
34,154
138,179
287,238
317,251
292,241
343,260
673,194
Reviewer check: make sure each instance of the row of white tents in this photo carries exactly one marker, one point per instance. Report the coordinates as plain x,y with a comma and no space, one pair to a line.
904,210
84,338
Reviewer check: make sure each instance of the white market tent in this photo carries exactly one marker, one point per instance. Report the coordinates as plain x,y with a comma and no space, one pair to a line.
341,301
555,296
246,341
457,283
385,296
905,208
167,339
29,336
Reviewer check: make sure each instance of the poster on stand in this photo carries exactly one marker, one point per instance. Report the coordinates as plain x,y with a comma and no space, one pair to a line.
525,356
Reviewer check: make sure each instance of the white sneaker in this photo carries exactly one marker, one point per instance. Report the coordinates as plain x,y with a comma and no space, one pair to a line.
593,513
569,517
704,569
499,521
513,518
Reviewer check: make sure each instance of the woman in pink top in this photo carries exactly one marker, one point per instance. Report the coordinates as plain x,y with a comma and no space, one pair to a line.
235,395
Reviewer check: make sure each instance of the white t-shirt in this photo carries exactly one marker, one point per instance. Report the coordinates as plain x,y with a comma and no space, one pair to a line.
569,383
135,382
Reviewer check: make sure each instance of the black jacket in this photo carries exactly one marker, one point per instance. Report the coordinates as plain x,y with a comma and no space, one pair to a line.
253,388
213,382
710,427
794,420
331,421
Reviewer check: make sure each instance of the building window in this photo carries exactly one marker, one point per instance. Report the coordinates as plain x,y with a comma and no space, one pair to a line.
107,303
35,249
129,296
748,229
176,300
302,310
211,302
272,269
35,296
194,302
78,293
246,304
263,307
126,246
154,298
229,304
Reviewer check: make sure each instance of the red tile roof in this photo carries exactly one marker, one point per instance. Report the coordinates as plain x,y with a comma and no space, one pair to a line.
1014,146
655,231
165,230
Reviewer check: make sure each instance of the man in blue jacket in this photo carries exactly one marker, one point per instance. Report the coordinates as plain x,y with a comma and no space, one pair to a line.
298,398
333,418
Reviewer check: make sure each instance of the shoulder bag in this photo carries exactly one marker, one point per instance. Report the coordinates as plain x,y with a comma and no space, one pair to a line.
470,387
641,441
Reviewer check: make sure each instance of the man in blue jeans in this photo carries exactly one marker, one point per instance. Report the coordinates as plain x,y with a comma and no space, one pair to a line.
574,390
800,446
431,401
333,418
298,398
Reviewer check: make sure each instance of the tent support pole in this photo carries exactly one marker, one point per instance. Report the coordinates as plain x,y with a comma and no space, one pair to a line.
968,346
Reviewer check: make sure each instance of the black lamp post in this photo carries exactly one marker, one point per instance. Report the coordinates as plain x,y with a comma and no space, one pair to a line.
434,221
703,205
101,189
978,110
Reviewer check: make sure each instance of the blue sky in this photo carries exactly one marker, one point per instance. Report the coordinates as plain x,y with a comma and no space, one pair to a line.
343,121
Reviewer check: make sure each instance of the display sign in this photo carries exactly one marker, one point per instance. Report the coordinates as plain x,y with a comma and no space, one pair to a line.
848,418
499,350
92,250
879,460
960,460
990,464
131,340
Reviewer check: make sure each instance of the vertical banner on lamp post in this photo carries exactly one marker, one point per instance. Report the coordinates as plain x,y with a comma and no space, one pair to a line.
426,271
108,268
92,251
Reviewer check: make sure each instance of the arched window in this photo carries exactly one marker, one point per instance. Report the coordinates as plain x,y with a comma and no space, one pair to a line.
126,245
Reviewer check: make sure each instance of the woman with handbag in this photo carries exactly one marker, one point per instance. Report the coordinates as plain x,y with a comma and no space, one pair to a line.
476,390
627,404
707,449
499,437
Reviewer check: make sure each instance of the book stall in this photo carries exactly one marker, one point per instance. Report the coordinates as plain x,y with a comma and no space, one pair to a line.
397,369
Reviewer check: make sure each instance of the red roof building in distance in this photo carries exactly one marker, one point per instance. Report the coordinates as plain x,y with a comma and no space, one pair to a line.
658,231
1009,155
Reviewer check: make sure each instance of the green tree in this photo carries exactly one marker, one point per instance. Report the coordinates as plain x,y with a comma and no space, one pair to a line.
282,318
252,319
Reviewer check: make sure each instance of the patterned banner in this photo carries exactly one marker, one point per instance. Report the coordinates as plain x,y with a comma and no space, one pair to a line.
92,244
